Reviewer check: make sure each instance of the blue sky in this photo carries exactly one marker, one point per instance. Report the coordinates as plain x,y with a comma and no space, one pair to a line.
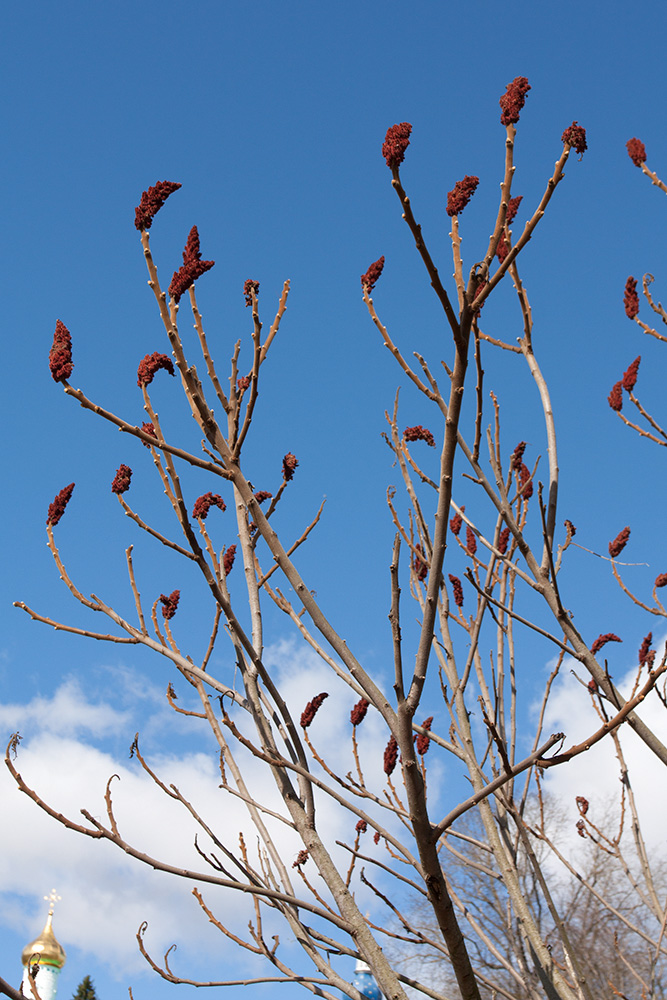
272,117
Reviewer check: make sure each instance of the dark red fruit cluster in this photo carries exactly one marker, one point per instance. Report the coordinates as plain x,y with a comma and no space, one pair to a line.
151,203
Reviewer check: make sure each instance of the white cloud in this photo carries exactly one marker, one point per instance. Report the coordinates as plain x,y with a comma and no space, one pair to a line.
595,773
69,710
106,894
66,756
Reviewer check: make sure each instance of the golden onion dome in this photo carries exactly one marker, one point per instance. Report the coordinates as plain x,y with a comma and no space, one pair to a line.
45,948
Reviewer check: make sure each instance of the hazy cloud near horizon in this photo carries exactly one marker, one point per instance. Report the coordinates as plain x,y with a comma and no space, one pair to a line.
107,895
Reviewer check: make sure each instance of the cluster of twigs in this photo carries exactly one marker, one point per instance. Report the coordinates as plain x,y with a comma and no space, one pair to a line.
519,945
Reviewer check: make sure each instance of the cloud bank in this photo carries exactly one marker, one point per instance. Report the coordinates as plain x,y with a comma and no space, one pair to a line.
70,750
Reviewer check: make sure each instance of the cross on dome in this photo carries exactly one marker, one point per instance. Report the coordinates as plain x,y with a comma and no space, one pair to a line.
52,899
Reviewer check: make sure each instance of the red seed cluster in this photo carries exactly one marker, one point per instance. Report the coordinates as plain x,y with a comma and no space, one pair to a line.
60,355
631,298
310,711
151,203
169,604
629,379
503,248
457,590
422,739
376,838
192,267
619,543
263,495
478,291
661,580
526,482
581,828
243,383
148,428
361,826
390,756
575,136
301,859
290,463
636,151
419,564
471,541
57,508
645,648
602,640
512,209
615,397
250,286
395,144
592,686
582,804
456,521
419,433
358,713
460,195
517,455
513,100
151,364
204,503
369,279
503,539
121,481
228,559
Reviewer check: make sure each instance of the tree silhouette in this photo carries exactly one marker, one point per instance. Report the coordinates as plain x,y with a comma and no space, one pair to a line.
85,990
455,702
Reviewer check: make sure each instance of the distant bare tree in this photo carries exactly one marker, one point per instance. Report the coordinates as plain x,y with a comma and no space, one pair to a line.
609,903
